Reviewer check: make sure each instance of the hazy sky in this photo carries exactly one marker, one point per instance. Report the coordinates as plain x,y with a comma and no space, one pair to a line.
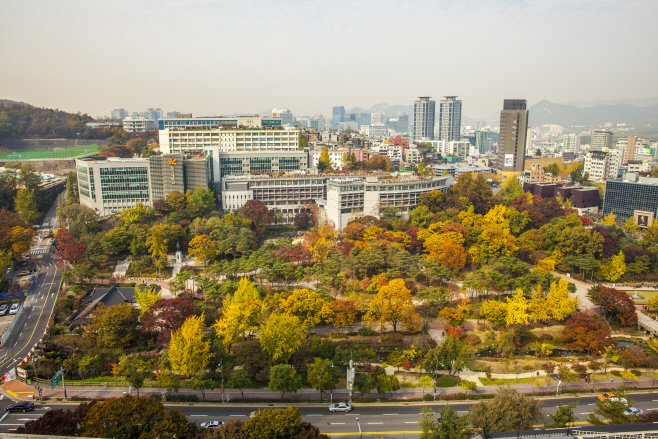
210,57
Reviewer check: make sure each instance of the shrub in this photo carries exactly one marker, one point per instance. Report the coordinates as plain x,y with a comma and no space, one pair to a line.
182,397
546,337
407,385
391,338
428,397
78,331
580,369
616,373
472,339
368,332
447,381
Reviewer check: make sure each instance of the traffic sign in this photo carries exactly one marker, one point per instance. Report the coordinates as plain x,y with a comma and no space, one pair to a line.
55,380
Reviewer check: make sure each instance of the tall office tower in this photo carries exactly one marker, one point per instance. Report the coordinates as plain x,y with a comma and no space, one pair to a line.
364,119
376,118
601,140
337,116
119,114
153,114
403,122
513,134
481,141
629,154
284,114
480,125
571,143
424,110
450,119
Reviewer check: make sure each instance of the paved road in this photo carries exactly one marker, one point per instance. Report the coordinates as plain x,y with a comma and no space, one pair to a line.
393,421
38,306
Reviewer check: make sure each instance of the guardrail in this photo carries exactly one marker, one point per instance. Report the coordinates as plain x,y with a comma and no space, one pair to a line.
7,333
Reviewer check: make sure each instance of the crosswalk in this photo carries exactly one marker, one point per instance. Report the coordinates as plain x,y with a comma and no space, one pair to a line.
39,252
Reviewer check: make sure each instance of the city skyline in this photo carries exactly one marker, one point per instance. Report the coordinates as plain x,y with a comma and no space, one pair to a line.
94,57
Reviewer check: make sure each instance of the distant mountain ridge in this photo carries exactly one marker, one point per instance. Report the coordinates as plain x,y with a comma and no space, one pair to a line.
633,115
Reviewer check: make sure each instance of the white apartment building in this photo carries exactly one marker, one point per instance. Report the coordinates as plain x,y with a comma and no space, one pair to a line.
177,141
138,124
640,166
393,152
571,143
353,196
602,166
460,148
335,155
376,131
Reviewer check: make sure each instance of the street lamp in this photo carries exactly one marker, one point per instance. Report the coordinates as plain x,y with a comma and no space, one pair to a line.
359,424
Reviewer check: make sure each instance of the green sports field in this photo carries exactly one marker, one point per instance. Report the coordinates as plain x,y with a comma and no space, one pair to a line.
50,153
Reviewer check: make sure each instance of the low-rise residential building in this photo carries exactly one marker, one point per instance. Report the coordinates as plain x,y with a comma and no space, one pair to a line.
412,155
335,156
138,124
600,166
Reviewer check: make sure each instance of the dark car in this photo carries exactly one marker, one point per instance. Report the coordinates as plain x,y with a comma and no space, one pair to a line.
23,406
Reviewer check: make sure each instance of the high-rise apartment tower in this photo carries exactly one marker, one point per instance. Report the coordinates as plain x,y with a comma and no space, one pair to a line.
424,111
450,119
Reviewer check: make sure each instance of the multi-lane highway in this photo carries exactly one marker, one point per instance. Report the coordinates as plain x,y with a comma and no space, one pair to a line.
39,305
392,421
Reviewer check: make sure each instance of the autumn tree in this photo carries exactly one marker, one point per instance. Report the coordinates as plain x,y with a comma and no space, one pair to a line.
343,312
614,303
393,304
239,380
321,244
114,326
309,306
162,237
202,248
25,204
58,422
167,316
494,311
190,351
281,336
453,316
146,298
258,213
241,313
586,334
517,309
324,162
67,248
614,269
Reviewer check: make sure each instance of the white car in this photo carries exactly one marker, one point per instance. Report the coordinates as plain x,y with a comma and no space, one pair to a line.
615,399
14,309
632,411
211,424
340,407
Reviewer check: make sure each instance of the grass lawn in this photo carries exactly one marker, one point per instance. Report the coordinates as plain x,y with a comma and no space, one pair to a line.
646,294
503,381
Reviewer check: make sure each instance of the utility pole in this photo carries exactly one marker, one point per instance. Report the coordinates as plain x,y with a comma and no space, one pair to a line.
350,380
64,383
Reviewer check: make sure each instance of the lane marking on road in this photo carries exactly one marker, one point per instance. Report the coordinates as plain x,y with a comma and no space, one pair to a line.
314,415
337,423
411,422
38,320
390,414
192,416
237,416
4,416
372,423
12,393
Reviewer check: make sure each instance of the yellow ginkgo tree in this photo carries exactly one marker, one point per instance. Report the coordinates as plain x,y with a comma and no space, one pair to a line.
189,353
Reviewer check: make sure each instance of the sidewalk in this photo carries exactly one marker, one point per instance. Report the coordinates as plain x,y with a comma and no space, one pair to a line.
338,394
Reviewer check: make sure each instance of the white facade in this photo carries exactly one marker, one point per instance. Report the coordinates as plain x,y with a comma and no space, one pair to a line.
376,131
460,148
350,197
138,124
571,143
180,141
335,155
601,140
602,166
